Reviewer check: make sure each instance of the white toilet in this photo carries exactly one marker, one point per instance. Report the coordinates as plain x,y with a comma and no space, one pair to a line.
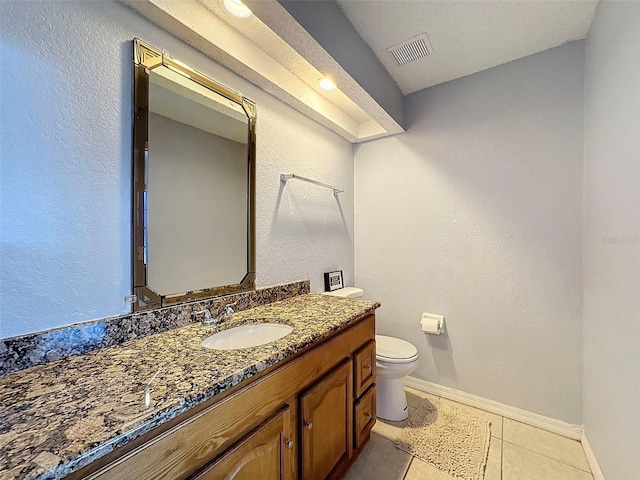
395,359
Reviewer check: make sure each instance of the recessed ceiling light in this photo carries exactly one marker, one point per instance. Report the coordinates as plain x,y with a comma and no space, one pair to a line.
327,84
237,8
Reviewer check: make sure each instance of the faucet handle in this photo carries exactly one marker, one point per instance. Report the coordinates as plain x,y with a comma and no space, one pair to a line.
228,311
208,319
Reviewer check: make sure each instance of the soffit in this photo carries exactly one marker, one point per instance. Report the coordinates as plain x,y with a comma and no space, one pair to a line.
252,50
259,34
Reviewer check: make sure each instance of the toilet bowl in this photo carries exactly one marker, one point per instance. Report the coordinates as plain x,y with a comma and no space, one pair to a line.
395,359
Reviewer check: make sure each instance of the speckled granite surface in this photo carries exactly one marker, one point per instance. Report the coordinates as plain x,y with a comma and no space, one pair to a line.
58,417
17,353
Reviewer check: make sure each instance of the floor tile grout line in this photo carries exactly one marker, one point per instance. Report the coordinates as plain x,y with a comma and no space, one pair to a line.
547,456
406,472
502,448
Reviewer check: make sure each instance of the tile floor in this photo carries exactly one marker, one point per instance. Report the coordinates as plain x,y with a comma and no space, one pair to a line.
516,452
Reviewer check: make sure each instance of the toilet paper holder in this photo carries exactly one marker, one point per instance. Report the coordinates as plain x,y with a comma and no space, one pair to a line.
432,324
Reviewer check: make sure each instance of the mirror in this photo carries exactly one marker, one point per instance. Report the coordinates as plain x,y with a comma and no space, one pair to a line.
193,184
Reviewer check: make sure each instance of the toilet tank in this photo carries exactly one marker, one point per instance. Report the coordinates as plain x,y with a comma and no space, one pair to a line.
346,292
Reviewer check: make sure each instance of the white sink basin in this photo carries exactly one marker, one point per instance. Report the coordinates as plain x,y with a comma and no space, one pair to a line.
247,336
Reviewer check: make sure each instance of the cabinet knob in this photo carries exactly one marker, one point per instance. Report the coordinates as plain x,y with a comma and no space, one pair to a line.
308,426
367,367
368,415
289,443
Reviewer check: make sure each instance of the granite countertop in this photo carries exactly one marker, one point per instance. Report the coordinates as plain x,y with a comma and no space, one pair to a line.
61,416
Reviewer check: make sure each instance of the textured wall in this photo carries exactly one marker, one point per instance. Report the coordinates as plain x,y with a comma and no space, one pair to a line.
612,239
66,159
66,162
475,213
303,229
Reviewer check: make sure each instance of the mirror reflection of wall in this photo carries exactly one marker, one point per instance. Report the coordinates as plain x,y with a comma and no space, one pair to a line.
196,187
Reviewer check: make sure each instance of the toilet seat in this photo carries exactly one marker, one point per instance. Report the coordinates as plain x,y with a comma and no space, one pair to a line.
395,350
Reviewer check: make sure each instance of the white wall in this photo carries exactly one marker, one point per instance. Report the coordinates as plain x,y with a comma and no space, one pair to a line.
66,167
303,230
612,239
475,213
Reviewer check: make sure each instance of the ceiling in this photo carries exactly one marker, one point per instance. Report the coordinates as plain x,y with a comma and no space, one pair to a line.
288,45
467,36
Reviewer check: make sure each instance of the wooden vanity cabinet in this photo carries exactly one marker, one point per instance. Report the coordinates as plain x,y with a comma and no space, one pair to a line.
305,418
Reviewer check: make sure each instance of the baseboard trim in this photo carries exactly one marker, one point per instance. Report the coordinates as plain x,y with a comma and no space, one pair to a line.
554,425
591,458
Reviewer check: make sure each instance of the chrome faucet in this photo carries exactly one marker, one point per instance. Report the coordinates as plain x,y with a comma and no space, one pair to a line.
208,320
227,312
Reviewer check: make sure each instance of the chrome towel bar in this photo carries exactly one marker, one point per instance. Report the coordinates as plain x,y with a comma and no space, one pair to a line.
288,176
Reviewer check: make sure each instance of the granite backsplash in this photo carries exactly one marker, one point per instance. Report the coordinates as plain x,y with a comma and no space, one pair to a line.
25,351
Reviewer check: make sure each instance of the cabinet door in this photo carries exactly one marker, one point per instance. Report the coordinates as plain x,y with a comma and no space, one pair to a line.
261,454
326,426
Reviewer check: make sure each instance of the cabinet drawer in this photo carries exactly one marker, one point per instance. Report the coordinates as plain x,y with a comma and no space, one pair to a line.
364,415
365,368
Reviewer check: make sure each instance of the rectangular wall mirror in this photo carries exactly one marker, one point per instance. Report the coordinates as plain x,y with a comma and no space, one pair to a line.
193,184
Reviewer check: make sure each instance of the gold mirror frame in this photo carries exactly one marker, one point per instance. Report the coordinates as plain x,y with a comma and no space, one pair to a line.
145,59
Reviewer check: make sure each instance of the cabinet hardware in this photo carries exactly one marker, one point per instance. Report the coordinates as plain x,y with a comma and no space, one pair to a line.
289,443
368,415
308,426
367,367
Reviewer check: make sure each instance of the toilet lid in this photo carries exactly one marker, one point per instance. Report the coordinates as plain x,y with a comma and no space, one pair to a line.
346,292
395,350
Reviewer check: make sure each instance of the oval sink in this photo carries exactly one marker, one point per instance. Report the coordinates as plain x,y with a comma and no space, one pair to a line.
247,336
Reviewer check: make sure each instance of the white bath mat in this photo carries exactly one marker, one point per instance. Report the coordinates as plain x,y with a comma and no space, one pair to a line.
452,440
